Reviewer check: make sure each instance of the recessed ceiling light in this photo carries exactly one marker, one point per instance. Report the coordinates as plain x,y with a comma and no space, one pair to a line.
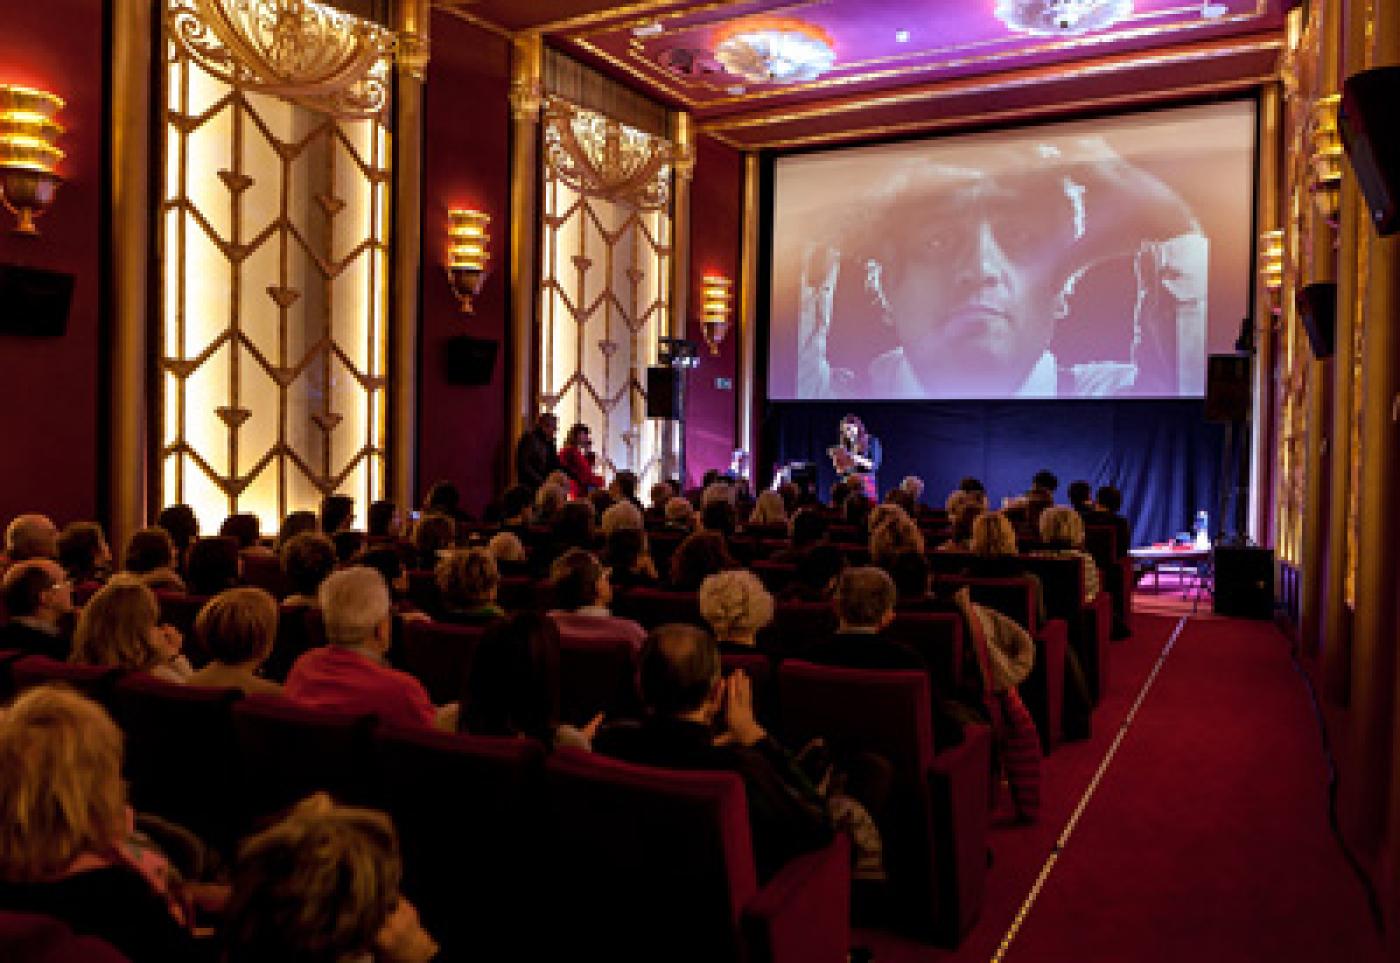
647,29
738,90
901,36
1213,11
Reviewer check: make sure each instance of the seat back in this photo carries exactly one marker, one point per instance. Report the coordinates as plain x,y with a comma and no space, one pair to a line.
423,589
518,593
649,864
440,656
1012,597
796,625
264,570
938,637
467,813
774,575
299,629
596,676
180,753
287,751
34,938
93,681
652,607
179,611
1101,541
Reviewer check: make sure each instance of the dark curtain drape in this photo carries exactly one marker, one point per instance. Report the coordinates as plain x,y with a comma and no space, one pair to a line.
1162,455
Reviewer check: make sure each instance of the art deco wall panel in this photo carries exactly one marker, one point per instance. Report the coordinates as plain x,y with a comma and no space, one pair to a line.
273,238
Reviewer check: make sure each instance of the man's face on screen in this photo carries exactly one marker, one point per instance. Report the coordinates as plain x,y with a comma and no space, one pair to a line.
973,298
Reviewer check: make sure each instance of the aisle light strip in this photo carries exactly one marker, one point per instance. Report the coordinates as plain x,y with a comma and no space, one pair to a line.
1089,790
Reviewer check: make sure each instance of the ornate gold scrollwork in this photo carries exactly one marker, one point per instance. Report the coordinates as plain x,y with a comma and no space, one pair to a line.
600,157
304,51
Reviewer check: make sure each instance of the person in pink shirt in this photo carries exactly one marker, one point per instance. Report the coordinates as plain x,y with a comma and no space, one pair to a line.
349,674
582,591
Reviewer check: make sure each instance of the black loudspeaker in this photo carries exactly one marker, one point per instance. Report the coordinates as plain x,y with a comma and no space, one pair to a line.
1317,308
1227,387
663,392
34,302
1244,582
1372,139
470,361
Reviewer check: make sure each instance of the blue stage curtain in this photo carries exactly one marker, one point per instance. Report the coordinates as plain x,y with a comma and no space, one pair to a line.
1162,455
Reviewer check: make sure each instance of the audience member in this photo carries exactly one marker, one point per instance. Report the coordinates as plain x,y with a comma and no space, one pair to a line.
120,627
66,847
628,561
582,593
700,555
718,490
817,570
697,719
1081,497
791,495
38,596
720,517
913,486
307,560
737,606
347,544
388,562
507,549
680,514
807,528
30,536
660,494
600,501
912,578
434,534
899,534
467,582
535,454
350,674
213,565
864,602
994,555
83,553
150,555
622,515
180,521
444,498
294,524
383,520
237,628
960,539
769,510
1110,503
904,500
513,686
515,508
1062,533
244,527
548,502
624,488
855,510
337,513
576,458
322,886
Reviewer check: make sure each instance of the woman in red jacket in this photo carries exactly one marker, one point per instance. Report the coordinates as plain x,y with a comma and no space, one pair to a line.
576,458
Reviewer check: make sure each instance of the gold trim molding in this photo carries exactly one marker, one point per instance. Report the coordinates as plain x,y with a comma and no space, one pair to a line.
602,158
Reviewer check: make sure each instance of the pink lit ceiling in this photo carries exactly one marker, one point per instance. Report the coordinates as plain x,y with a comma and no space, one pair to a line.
901,64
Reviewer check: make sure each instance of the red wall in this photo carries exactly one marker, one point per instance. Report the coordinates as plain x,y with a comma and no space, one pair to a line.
462,430
49,416
716,208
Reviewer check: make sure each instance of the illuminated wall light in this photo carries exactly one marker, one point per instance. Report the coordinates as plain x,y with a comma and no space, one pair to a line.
467,254
1271,267
29,158
716,299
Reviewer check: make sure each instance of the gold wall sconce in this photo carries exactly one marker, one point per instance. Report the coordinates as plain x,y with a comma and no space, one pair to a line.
29,157
1271,267
716,304
1325,161
467,255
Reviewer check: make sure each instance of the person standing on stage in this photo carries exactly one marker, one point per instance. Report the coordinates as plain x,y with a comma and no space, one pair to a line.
857,457
577,459
535,457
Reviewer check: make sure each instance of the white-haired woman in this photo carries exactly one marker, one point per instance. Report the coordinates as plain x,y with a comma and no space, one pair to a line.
769,510
737,606
1062,532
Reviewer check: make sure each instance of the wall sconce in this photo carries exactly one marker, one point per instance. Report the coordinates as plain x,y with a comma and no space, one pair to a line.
28,155
715,306
1325,161
1271,267
467,254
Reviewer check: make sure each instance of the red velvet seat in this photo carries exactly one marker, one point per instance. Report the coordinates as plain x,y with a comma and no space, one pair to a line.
1115,570
299,629
423,590
264,570
93,681
654,864
467,813
180,753
596,676
774,575
1090,623
287,751
440,656
518,593
33,938
652,607
938,637
935,826
798,624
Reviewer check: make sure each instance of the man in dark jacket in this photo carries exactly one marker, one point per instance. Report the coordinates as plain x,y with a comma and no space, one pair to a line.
535,455
697,719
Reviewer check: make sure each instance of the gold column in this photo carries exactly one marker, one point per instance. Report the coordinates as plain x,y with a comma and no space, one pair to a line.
1321,267
682,134
412,62
131,163
1262,442
526,96
1378,538
748,313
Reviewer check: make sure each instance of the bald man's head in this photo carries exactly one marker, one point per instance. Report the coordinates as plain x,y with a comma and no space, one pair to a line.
37,588
31,536
679,667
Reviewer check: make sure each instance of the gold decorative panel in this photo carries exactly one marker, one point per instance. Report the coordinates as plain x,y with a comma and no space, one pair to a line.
274,280
604,292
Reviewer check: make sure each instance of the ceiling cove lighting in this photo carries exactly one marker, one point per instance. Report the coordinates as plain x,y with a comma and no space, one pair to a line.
776,51
1048,18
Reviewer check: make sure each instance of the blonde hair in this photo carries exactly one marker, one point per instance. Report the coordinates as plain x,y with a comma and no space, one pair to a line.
735,603
468,577
506,547
319,885
238,625
769,510
622,515
897,534
992,534
1062,524
61,764
115,626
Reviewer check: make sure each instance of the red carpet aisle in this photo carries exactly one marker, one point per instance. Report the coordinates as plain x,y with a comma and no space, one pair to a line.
1207,839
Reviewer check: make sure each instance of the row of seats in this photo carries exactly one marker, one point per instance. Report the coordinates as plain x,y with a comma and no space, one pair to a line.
635,863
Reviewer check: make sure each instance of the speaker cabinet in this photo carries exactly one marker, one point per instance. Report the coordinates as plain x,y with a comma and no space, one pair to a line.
663,392
1372,138
1227,387
33,302
1317,308
1244,582
470,361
